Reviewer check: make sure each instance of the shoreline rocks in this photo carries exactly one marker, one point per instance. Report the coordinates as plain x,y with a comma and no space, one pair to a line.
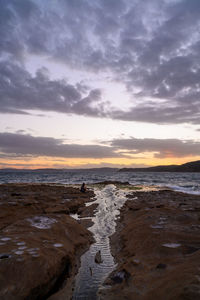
98,258
157,243
40,244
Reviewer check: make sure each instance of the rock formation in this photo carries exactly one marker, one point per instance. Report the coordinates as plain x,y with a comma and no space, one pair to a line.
40,244
157,248
98,258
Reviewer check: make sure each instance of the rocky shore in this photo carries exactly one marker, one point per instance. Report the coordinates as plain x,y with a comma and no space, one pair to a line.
156,244
157,248
40,244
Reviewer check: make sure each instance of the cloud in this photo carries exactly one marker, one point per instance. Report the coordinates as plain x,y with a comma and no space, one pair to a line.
162,148
16,165
20,92
152,47
27,145
24,146
160,113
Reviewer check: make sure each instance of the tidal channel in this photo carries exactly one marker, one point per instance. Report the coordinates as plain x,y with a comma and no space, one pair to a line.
91,275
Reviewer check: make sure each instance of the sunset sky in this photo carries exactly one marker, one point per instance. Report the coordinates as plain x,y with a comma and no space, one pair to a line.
99,83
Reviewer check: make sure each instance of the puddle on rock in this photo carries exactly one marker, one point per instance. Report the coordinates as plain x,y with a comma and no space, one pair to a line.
91,275
172,245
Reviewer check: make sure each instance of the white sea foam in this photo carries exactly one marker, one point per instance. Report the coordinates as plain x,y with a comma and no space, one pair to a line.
186,190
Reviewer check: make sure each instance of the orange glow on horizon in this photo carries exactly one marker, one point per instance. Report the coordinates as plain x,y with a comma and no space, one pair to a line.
59,163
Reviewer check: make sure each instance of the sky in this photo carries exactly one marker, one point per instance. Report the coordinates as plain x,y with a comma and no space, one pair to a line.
99,83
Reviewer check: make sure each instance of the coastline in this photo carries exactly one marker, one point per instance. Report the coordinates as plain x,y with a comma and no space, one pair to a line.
40,244
156,244
156,248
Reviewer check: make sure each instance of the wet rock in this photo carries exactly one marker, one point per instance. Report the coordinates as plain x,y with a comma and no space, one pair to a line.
98,258
87,211
191,292
113,182
86,222
39,244
166,239
49,256
161,266
15,194
120,276
4,256
189,249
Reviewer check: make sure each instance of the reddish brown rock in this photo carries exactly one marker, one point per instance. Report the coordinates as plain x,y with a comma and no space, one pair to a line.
40,244
157,244
87,211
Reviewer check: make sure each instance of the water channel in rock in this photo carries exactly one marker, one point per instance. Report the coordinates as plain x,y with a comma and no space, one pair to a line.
91,275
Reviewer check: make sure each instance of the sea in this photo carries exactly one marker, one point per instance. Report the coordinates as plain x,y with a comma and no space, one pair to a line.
183,182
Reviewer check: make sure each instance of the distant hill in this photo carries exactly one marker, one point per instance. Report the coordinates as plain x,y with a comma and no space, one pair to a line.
188,167
104,169
193,166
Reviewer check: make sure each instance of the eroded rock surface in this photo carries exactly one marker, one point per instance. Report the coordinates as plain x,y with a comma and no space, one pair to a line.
157,248
39,242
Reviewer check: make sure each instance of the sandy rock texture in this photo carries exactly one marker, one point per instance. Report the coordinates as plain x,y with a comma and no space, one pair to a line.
40,244
157,248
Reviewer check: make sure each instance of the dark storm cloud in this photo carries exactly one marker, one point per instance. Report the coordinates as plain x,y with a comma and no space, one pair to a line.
161,147
26,145
13,145
160,113
153,47
20,91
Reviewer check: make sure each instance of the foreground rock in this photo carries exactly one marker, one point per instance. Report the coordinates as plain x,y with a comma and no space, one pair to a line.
157,248
40,244
98,258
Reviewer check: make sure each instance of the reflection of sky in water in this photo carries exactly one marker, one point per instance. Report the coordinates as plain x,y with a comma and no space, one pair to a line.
91,275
